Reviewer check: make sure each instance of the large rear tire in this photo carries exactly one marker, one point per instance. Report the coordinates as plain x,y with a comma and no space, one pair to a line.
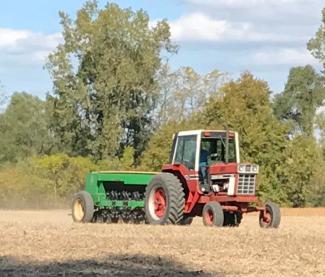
271,218
164,200
82,207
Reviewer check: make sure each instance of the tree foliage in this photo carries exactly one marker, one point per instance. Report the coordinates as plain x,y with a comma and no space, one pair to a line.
104,79
43,182
184,91
23,128
304,93
65,175
3,99
299,168
316,45
158,151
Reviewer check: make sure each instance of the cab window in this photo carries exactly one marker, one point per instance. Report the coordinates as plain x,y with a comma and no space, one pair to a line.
217,151
186,150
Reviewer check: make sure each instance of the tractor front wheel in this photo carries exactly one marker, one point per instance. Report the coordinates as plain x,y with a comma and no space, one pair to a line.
271,216
213,214
82,207
165,201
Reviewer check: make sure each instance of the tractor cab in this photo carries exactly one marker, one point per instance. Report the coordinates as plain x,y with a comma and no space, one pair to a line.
193,148
212,157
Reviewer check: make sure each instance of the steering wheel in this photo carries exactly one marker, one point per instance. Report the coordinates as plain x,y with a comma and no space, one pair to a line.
214,156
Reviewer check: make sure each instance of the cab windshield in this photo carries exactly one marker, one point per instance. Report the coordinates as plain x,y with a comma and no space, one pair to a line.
214,149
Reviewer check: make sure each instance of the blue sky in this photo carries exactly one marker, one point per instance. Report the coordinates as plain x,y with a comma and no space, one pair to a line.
266,37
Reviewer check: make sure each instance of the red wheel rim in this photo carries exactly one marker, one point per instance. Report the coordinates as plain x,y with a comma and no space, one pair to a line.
266,218
208,216
160,202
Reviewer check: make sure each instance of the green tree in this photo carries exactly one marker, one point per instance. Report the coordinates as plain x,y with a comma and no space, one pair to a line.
127,160
23,128
320,123
159,146
65,175
316,45
300,169
316,195
3,99
298,103
104,80
184,92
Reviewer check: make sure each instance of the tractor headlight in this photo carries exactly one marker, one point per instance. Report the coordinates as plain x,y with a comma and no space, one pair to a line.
241,168
255,168
248,168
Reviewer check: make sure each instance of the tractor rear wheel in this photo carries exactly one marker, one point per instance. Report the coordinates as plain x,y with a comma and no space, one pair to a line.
165,201
271,216
82,207
213,214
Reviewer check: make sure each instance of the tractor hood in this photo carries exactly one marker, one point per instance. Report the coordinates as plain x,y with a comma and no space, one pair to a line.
233,168
223,168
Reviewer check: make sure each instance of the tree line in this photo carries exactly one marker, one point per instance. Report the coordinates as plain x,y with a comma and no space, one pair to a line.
116,103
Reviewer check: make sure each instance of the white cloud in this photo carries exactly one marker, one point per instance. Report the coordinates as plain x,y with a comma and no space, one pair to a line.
267,37
201,27
25,48
10,37
246,3
286,56
197,26
268,14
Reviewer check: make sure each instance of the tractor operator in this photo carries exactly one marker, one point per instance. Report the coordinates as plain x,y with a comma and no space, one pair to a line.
203,168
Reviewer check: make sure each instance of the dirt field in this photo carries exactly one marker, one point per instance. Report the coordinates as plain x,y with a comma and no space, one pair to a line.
47,243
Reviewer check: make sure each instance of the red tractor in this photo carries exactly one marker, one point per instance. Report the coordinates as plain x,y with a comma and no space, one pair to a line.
206,178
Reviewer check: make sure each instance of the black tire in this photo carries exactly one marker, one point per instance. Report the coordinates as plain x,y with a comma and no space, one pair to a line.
82,207
171,188
186,220
213,214
274,214
232,219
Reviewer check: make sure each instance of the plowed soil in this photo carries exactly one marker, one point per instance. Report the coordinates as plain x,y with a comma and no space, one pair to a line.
47,243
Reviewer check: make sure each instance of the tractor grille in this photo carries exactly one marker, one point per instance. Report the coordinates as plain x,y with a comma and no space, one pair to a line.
246,184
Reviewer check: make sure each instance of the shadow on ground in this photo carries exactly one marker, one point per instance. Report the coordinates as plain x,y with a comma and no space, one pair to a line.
113,265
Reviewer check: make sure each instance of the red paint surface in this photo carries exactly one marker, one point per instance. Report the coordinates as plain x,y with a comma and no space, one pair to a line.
208,216
195,199
223,168
160,202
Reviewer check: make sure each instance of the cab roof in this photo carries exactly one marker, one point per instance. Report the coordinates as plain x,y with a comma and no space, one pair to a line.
198,132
